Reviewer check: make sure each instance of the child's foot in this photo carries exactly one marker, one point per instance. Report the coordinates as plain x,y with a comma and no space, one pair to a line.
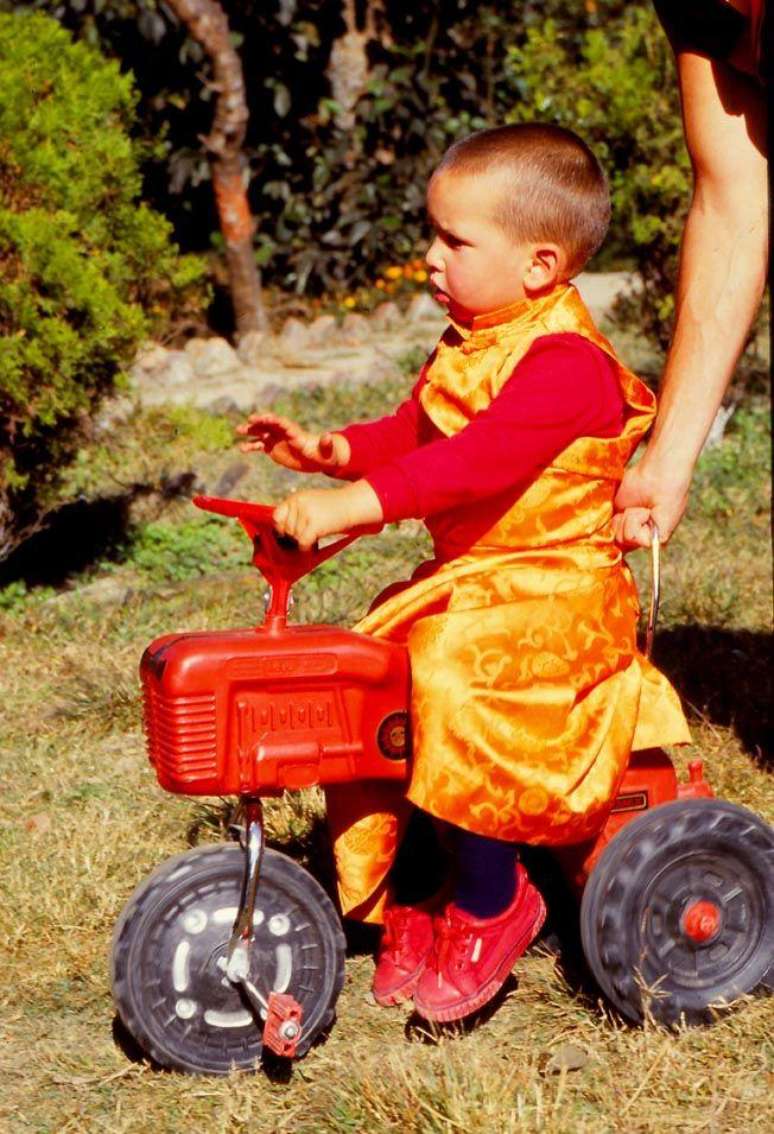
473,956
406,944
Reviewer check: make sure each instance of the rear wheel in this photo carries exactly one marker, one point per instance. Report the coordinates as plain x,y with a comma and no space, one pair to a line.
677,917
169,958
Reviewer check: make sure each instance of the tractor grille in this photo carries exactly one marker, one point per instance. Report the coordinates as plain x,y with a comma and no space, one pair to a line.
181,735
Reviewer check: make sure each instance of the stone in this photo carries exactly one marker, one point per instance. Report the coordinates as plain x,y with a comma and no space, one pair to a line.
322,330
355,327
231,477
567,1057
368,365
423,307
107,591
294,334
151,356
269,391
177,371
223,405
211,357
112,413
386,316
251,349
600,290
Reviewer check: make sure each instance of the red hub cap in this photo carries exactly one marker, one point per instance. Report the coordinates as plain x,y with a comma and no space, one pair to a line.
701,921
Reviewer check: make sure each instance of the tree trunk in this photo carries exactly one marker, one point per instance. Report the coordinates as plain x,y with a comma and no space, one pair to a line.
208,25
348,68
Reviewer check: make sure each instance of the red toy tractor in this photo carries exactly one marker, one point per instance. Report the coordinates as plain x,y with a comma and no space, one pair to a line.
227,951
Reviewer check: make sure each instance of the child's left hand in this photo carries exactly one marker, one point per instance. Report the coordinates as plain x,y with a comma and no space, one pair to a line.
316,512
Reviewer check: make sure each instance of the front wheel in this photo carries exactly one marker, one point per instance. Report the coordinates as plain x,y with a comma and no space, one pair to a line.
169,958
677,917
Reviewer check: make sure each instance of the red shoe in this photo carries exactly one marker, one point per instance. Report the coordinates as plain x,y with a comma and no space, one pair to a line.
473,956
406,944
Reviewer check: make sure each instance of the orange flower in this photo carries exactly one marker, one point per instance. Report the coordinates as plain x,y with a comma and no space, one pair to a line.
349,301
380,284
420,275
393,272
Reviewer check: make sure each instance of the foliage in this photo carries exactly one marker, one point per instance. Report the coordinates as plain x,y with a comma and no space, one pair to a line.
736,474
82,264
615,86
163,551
334,202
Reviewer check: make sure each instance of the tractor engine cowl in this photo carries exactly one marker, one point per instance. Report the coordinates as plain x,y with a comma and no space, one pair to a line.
247,711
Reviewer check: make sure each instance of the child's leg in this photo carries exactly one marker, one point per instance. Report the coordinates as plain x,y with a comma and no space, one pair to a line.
418,874
485,874
495,914
421,865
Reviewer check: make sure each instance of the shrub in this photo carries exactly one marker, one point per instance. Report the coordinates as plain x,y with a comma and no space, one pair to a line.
615,86
82,263
174,552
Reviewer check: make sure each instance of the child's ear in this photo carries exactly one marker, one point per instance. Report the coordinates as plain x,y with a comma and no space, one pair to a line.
544,267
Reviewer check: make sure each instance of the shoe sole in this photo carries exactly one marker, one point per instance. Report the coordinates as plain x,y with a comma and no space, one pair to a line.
403,992
466,1007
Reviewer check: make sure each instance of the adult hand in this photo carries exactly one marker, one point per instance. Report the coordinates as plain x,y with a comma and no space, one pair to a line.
642,498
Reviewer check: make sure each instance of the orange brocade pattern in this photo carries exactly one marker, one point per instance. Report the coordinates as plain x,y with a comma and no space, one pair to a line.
528,691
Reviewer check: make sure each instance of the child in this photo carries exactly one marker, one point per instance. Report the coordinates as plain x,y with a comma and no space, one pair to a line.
528,692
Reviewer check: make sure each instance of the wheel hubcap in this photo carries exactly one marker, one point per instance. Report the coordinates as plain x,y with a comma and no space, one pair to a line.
701,921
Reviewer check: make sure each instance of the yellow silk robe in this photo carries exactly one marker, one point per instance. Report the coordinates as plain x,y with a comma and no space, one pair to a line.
528,691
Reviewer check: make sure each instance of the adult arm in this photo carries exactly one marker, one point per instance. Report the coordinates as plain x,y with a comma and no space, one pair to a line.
720,284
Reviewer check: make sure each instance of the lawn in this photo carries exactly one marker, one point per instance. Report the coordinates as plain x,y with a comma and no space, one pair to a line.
82,819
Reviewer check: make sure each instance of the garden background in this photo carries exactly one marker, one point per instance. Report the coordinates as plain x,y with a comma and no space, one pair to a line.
109,237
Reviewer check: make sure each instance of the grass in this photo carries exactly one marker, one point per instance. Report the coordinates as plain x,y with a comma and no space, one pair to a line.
82,821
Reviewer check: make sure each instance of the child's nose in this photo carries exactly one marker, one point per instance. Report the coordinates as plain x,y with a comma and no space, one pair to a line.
432,256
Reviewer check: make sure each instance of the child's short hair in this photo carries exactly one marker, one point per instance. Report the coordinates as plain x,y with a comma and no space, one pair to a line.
559,193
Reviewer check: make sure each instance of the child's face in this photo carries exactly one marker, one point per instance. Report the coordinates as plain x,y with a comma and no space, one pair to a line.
475,266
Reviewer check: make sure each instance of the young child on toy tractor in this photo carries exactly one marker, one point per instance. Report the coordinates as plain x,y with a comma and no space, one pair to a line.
528,691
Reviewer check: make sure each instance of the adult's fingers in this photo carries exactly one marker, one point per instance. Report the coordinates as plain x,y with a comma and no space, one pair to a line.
631,528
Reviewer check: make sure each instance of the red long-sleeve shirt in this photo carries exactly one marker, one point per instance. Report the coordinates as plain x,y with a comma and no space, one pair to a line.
563,388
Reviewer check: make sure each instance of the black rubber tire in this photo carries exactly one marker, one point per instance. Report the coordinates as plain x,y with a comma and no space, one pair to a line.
168,953
649,875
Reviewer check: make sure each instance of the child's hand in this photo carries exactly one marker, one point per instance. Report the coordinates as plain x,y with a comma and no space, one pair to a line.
287,444
317,512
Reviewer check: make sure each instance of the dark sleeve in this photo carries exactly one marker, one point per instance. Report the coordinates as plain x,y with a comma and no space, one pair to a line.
375,443
564,388
708,27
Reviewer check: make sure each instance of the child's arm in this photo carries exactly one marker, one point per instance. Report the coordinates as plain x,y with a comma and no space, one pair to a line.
346,454
374,443
293,447
563,388
313,513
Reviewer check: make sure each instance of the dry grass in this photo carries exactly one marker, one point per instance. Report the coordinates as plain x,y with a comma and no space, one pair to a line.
82,821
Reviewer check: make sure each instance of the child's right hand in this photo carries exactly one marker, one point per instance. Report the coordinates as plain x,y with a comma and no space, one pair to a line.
287,444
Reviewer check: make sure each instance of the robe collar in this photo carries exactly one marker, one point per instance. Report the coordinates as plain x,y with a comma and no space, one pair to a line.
483,331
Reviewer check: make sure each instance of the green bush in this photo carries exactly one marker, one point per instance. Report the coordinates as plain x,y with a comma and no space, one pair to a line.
174,552
83,264
334,203
615,85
